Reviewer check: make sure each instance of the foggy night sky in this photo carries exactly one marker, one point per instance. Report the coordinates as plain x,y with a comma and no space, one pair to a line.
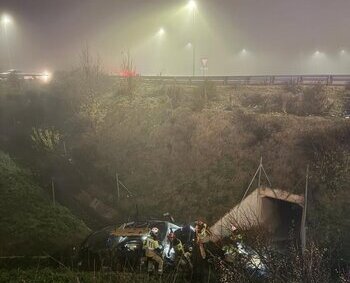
280,36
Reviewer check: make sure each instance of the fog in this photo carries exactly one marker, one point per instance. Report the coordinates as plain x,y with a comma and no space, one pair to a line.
238,37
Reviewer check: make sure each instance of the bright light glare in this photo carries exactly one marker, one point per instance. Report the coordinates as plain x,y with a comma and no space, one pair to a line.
46,76
342,52
161,31
319,55
192,5
188,45
6,19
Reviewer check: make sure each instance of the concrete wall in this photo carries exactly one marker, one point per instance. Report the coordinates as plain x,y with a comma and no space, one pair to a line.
275,210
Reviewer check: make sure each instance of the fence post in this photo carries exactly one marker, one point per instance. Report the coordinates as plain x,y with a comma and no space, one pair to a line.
303,219
53,192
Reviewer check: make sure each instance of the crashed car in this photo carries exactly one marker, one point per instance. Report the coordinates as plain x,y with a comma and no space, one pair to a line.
127,241
253,262
121,248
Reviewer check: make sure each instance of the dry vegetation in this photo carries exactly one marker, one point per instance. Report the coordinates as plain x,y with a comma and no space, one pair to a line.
189,150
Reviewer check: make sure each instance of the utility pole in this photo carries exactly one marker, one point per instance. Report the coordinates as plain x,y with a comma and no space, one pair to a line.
303,219
194,43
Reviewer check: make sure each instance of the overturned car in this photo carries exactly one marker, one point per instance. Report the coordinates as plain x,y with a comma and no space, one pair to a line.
121,248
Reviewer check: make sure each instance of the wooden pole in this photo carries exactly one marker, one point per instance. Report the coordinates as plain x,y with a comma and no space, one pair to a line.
118,189
303,219
64,148
53,192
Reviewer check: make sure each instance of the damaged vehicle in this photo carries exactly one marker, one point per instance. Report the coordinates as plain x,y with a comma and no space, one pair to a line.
238,254
121,248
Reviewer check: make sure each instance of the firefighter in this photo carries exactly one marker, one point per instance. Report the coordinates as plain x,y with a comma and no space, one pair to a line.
235,235
202,236
153,249
181,256
231,249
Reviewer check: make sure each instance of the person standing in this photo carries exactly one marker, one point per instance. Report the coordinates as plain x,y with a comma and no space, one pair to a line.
202,236
153,249
181,256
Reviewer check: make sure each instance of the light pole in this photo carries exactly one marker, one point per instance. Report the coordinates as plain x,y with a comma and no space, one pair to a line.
5,21
192,7
159,59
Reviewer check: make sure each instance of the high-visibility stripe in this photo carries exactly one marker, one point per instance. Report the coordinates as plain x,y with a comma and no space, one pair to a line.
151,244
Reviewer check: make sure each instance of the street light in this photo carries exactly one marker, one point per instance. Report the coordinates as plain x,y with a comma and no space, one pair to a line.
5,21
192,6
161,32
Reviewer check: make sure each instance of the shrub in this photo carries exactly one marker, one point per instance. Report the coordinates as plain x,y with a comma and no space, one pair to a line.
203,94
314,101
174,94
293,88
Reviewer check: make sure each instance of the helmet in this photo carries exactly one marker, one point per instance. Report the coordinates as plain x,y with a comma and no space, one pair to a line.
154,231
233,228
171,236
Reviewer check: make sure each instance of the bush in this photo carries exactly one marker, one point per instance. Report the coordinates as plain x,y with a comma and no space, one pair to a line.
314,101
346,99
293,88
174,95
203,94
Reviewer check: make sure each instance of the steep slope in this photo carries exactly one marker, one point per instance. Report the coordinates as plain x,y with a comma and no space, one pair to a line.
29,223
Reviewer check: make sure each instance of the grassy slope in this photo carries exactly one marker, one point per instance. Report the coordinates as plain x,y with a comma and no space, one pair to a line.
29,224
196,158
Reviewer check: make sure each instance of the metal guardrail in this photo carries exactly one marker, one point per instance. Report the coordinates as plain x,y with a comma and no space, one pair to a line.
331,80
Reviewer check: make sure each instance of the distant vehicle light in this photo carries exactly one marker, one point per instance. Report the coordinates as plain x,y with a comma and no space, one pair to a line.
127,74
46,76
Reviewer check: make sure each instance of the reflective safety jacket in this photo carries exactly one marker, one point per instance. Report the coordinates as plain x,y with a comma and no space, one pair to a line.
178,246
150,244
202,233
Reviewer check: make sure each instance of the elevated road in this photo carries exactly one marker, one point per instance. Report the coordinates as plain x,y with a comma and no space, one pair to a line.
330,80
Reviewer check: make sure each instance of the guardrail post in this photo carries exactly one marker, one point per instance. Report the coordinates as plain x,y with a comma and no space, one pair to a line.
225,81
300,80
331,80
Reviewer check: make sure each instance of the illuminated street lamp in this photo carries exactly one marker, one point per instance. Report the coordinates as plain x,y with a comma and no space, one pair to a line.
161,32
188,45
192,6
5,21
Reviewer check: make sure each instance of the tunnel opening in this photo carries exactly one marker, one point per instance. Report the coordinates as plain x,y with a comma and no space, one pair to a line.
282,219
